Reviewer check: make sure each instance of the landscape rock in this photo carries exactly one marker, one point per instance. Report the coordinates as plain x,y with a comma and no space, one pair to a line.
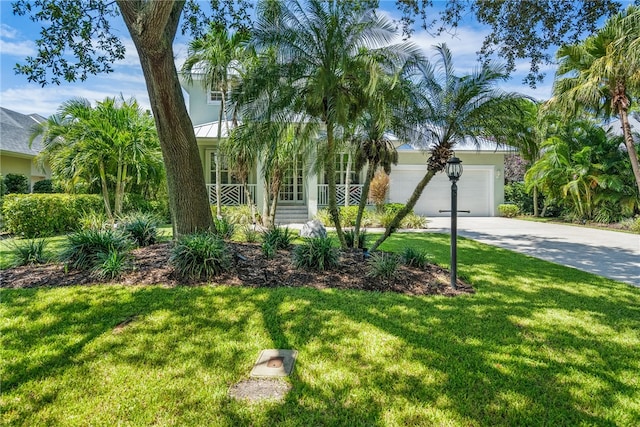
313,228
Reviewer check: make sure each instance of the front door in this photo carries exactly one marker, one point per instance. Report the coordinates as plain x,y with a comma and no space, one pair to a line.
292,189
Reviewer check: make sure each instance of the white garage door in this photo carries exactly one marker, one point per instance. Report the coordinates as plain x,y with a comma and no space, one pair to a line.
475,190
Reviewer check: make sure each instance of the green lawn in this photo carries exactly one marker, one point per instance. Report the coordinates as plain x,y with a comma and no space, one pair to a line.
538,344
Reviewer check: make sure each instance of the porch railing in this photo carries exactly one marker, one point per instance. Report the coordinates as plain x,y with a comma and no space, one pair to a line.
354,191
231,194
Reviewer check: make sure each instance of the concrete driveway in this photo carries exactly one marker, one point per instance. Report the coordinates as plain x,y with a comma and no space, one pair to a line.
606,253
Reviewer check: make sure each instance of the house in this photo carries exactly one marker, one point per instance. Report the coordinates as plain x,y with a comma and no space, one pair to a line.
16,156
480,189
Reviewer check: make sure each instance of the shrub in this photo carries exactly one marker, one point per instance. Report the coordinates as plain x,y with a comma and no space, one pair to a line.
278,237
508,210
86,249
239,215
137,203
34,215
414,257
349,237
142,228
635,225
45,187
223,228
29,252
324,217
3,187
516,194
200,256
414,221
348,215
316,254
394,208
382,265
16,183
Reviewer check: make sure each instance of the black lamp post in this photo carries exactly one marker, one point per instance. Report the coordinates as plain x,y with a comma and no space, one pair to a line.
454,171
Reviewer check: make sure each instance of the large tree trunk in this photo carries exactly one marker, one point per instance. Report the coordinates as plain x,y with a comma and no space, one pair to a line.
153,26
395,222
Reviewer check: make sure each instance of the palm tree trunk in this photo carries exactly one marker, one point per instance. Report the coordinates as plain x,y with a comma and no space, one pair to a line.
330,167
371,170
105,190
395,222
535,201
218,160
628,142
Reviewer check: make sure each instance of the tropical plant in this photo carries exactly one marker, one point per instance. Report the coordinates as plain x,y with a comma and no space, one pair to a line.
378,189
317,253
213,60
114,143
350,237
600,73
16,183
223,228
200,256
326,47
450,110
111,265
508,210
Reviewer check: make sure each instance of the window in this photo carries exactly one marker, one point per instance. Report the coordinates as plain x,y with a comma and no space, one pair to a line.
215,97
342,161
226,176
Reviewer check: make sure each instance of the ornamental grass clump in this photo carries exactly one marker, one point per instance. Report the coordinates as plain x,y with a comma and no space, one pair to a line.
414,257
317,254
200,256
382,265
91,249
29,252
349,237
142,228
223,228
278,237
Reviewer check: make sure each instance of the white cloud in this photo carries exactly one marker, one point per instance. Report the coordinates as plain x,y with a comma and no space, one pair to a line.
10,43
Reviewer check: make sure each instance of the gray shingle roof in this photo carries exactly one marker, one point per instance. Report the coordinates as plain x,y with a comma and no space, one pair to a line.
15,129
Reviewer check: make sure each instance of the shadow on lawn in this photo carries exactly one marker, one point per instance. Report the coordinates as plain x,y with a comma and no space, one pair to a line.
508,355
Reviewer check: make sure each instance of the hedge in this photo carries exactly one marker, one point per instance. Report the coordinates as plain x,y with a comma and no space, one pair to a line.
33,215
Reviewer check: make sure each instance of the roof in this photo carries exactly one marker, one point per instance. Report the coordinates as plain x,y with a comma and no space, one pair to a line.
210,130
470,146
15,129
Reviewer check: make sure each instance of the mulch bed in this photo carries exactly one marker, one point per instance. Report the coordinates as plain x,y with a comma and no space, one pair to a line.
250,268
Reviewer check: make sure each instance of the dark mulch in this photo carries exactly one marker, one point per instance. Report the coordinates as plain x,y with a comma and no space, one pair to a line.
250,268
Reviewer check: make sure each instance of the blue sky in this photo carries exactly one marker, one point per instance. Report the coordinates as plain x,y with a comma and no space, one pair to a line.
18,33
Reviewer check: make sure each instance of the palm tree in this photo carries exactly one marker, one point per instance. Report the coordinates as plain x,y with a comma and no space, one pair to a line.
326,46
108,141
452,109
215,59
599,73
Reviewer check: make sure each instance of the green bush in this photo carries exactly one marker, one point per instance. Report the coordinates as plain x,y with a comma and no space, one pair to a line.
137,203
394,208
635,225
516,194
45,187
93,221
349,237
508,210
200,256
29,252
34,215
87,249
239,215
16,183
414,257
316,254
268,250
223,228
3,187
142,228
382,265
347,214
324,217
278,237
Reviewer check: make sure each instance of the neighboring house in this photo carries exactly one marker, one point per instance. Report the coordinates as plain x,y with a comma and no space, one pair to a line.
15,154
303,193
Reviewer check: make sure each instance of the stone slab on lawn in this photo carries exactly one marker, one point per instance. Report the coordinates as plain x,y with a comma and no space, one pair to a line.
274,363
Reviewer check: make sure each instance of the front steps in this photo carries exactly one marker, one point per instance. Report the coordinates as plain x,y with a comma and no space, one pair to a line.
296,214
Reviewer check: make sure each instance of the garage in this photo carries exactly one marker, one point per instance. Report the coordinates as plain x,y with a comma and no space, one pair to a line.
475,190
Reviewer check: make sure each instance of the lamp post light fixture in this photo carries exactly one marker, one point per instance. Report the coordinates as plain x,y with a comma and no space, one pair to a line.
454,172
